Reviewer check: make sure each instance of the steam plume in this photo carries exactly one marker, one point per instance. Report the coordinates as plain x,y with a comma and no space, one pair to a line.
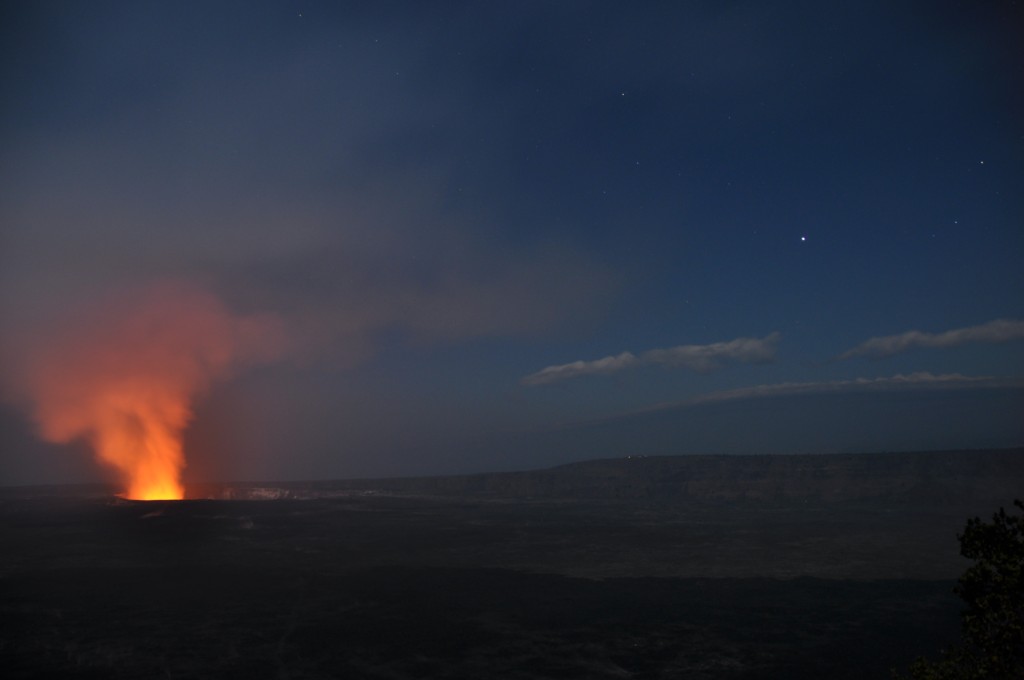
123,374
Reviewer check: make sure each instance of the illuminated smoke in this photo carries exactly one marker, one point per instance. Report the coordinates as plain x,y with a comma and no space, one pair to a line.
123,373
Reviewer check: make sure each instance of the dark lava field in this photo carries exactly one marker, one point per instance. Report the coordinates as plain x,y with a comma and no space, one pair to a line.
739,567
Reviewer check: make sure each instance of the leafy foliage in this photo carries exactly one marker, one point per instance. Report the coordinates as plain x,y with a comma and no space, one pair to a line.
993,590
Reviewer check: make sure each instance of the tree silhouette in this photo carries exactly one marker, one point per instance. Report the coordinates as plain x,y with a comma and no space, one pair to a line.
993,590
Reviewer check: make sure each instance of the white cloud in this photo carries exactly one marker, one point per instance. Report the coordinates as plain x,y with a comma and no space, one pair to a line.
1000,330
710,357
919,380
577,368
694,357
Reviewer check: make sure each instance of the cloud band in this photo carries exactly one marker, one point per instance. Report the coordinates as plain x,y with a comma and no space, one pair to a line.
999,330
694,357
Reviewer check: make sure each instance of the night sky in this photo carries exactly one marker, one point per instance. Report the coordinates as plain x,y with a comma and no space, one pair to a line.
506,235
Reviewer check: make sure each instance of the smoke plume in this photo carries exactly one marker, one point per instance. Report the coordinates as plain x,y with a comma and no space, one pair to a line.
123,373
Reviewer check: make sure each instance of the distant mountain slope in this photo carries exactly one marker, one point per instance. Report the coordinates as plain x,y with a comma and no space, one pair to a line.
945,477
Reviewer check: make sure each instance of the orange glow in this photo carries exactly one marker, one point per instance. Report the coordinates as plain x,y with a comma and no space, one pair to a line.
123,375
140,435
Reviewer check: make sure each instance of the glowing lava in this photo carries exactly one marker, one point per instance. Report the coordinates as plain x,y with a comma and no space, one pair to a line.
139,432
123,376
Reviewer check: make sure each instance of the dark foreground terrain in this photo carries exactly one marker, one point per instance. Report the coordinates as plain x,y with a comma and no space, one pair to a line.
352,581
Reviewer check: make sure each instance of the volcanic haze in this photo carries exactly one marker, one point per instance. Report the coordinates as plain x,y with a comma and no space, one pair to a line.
122,374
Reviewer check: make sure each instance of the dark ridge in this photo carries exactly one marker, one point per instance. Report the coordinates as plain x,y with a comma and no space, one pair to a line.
928,478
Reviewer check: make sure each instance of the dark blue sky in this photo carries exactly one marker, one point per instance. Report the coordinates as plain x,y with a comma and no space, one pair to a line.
507,235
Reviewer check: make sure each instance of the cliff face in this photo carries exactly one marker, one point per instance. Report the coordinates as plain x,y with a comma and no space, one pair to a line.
944,477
